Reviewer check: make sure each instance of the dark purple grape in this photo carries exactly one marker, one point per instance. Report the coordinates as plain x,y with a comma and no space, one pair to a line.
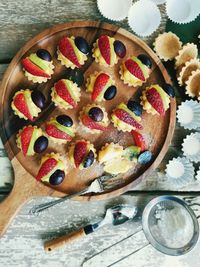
145,157
64,120
135,107
110,93
38,99
145,60
120,48
82,45
44,54
75,76
57,177
89,159
41,144
96,114
169,89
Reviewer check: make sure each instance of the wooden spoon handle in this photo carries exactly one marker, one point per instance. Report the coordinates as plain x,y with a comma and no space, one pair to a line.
63,240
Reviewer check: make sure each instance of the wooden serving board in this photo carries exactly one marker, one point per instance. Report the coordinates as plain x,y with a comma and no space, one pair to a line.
157,131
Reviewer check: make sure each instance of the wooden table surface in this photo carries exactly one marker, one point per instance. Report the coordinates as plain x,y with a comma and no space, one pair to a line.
22,245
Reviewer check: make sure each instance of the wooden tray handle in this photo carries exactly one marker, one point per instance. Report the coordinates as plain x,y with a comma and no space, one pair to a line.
63,240
25,187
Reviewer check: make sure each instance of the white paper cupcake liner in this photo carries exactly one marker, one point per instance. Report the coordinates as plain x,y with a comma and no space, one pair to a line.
180,171
188,114
191,147
197,177
182,11
114,9
144,17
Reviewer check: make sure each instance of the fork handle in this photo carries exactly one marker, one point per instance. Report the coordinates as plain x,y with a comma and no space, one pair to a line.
42,207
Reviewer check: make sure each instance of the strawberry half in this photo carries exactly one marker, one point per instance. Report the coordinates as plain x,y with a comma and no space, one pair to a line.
63,92
51,130
80,152
155,100
46,167
33,69
67,50
25,136
99,85
20,103
88,122
104,46
125,117
134,69
139,140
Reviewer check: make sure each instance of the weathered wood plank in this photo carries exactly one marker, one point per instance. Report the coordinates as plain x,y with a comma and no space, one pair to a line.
21,20
23,243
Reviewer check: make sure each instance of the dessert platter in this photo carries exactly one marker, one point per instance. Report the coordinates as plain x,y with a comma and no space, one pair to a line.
62,129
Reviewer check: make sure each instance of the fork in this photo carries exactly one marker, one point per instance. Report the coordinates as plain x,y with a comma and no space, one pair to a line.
99,185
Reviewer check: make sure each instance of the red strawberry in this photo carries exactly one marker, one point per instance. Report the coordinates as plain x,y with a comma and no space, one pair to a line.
26,135
88,122
134,69
67,50
33,69
51,130
99,85
155,100
63,92
139,140
80,152
20,103
104,46
46,167
125,117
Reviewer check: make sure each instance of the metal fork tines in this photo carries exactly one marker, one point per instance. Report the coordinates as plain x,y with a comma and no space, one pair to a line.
99,185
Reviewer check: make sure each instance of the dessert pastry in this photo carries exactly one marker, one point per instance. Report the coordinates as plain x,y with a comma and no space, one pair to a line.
135,70
94,118
155,100
65,94
139,140
167,45
28,104
189,51
31,140
52,169
114,159
127,117
193,85
101,86
38,67
107,50
60,129
187,69
73,51
82,154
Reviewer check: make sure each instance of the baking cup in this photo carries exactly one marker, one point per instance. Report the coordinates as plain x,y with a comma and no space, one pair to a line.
114,9
180,171
189,51
188,114
158,2
167,45
191,147
193,84
198,175
184,73
182,11
144,17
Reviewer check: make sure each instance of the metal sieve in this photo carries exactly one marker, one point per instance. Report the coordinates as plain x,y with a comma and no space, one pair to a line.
170,225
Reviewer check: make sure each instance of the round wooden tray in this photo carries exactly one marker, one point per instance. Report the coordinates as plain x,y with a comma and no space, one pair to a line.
157,130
